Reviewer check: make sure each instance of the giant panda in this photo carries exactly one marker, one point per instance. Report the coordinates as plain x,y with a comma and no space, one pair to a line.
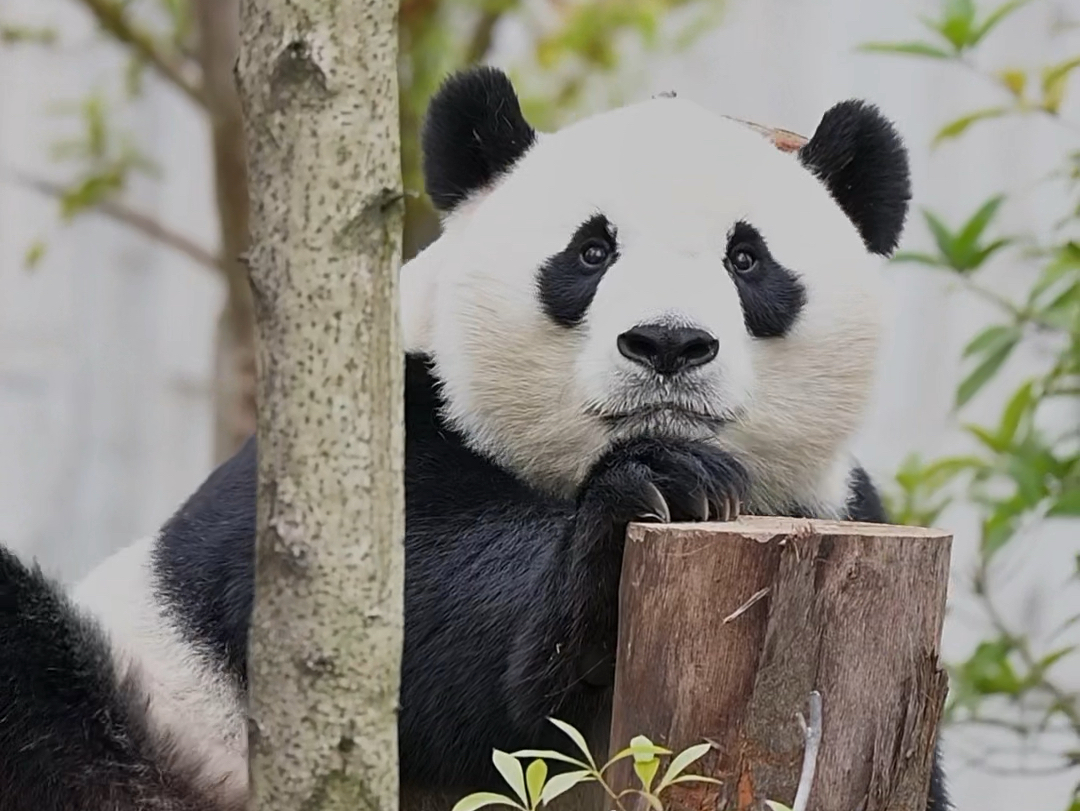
651,314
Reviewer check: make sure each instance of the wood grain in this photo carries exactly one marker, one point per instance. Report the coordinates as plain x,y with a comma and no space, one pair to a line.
725,629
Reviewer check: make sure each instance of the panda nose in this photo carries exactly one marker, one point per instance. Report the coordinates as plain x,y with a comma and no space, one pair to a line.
668,350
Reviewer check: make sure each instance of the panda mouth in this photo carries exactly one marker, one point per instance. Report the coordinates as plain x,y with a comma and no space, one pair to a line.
675,411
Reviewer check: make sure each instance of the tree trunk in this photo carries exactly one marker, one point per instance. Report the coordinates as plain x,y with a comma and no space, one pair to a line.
725,630
218,23
319,87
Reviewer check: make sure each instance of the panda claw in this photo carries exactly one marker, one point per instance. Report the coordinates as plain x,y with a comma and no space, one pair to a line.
702,511
658,508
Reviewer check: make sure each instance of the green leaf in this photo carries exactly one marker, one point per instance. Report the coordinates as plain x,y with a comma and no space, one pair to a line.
510,768
1052,658
989,671
643,749
1066,259
562,783
1066,504
990,338
1015,410
917,258
942,237
907,49
16,34
965,241
987,438
1053,83
998,529
957,23
576,737
681,761
957,127
995,17
34,254
1014,79
482,799
982,373
646,771
548,754
535,776
982,254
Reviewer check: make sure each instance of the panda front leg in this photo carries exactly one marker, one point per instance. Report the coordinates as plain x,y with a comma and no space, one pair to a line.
562,662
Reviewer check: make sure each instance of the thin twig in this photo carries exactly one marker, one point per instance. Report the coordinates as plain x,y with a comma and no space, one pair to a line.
812,736
145,225
112,17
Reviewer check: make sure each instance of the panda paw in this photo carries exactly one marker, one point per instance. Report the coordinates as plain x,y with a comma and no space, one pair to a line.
663,480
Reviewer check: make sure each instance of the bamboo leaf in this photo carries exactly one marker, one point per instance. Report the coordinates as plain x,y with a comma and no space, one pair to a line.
1014,412
942,237
1014,79
1054,79
965,241
982,373
907,49
995,17
960,125
957,24
1068,503
990,338
913,257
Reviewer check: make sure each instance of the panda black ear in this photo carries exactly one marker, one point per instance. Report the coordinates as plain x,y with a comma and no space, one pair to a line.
473,132
861,159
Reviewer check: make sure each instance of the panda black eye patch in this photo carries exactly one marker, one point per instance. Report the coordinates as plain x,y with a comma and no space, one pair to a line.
568,280
771,295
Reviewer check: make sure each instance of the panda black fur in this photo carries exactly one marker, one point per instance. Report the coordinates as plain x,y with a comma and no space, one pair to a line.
538,424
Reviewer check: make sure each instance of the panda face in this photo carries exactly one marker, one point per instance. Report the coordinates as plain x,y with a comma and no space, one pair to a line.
657,269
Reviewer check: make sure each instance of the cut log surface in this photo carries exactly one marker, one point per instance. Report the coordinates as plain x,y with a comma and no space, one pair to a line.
725,629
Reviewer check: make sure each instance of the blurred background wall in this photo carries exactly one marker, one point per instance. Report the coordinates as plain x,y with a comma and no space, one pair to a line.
106,345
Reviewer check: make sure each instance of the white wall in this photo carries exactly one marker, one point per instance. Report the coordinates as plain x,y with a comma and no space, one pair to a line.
105,349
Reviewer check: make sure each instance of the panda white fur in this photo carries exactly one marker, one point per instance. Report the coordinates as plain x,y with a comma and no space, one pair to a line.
653,313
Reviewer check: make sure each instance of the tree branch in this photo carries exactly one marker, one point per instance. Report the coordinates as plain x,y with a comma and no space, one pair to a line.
145,225
480,42
812,735
111,16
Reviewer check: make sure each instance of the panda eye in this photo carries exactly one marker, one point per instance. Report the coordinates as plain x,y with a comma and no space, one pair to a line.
595,254
742,259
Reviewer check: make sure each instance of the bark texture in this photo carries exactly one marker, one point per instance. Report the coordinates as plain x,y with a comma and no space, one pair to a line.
318,84
725,630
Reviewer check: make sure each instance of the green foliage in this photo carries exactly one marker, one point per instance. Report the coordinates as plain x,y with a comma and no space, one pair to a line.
532,787
1019,475
105,159
16,34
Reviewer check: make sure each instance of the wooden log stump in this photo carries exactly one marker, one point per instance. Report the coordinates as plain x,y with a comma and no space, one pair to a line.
726,629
